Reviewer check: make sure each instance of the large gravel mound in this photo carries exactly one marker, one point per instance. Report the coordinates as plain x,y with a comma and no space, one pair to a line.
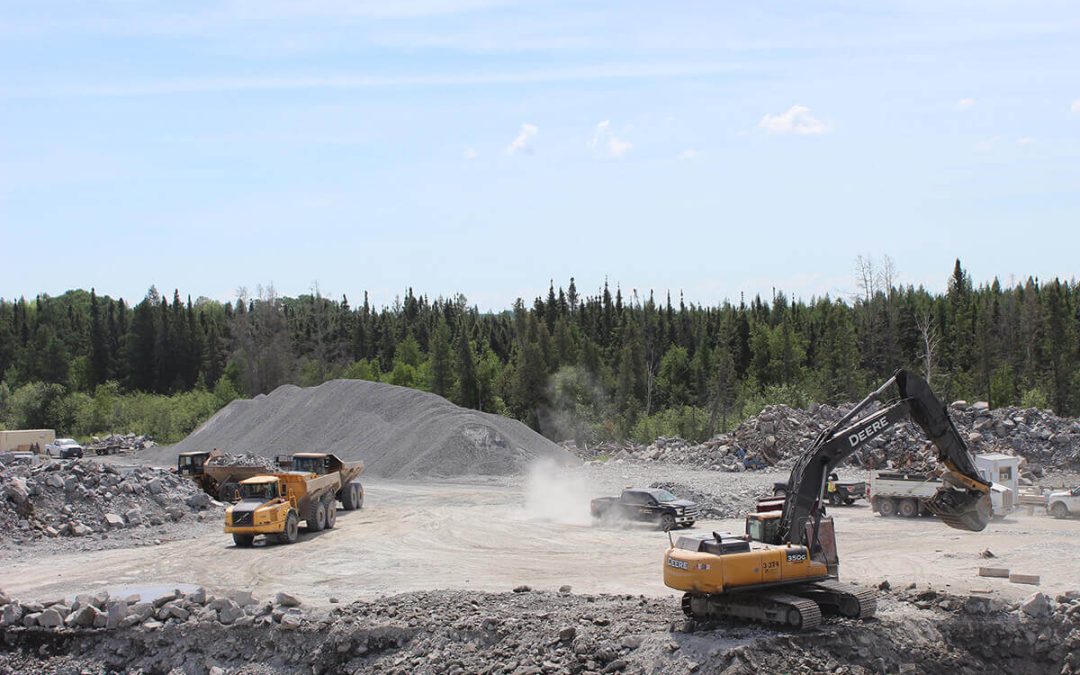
397,432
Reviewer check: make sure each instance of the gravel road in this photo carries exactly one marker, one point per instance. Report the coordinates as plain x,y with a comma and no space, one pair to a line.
494,534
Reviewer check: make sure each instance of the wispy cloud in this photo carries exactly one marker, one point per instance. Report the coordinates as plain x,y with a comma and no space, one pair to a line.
469,153
797,120
1076,106
988,144
606,142
523,142
688,154
616,71
965,104
1025,140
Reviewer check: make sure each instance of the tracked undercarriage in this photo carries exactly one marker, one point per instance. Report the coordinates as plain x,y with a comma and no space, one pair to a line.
797,606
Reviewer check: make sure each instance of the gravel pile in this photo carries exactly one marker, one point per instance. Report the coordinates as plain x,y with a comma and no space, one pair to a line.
730,504
458,632
777,435
88,500
397,432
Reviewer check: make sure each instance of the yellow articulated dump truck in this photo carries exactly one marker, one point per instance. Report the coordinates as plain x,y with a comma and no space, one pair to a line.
275,504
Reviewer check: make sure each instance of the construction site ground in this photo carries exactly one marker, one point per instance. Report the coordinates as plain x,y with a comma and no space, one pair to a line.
497,534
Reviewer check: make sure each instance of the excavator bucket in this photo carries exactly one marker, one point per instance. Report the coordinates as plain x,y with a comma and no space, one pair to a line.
962,509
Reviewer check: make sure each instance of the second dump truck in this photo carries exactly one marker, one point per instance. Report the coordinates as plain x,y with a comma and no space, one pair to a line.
275,504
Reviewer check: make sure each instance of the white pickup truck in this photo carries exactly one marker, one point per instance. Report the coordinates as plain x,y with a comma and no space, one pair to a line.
1064,504
905,494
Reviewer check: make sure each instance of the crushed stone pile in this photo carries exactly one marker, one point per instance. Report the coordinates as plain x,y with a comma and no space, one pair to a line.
114,443
397,432
734,503
458,632
777,435
244,459
88,499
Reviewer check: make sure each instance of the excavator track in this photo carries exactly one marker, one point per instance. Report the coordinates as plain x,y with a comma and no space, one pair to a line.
846,599
783,609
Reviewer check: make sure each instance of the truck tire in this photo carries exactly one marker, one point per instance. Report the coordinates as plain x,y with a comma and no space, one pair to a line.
243,540
292,529
352,496
667,522
331,513
316,517
887,507
849,501
908,508
1059,510
835,499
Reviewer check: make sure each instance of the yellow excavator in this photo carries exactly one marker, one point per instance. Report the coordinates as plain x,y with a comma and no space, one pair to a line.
784,568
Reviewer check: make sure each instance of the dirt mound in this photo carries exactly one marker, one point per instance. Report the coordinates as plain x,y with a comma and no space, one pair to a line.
97,504
526,632
397,432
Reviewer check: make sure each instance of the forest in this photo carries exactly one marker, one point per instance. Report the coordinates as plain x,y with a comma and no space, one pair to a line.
606,365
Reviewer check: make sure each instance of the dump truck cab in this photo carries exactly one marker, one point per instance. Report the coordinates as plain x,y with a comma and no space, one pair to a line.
191,463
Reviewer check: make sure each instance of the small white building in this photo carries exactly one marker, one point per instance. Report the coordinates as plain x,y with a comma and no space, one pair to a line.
23,439
1001,469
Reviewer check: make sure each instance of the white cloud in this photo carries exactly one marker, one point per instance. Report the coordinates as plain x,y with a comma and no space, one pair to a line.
523,141
965,104
469,153
1025,140
606,142
988,144
688,154
797,120
1076,106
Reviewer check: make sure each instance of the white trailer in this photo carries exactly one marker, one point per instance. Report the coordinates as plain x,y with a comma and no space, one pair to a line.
21,440
906,494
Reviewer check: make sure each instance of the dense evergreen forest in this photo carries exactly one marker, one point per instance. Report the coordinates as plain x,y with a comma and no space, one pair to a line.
608,365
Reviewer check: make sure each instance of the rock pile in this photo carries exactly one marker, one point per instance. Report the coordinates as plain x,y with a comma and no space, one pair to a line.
245,459
83,497
458,632
730,504
114,443
777,435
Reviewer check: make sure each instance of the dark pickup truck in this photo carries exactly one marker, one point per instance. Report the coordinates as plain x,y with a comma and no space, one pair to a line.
836,492
648,505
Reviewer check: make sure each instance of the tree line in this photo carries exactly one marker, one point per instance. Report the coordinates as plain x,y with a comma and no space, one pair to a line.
599,366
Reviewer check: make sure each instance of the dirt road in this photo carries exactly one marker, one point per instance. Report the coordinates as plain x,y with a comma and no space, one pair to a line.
493,537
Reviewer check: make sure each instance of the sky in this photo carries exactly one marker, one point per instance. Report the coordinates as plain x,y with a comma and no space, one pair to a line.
485,147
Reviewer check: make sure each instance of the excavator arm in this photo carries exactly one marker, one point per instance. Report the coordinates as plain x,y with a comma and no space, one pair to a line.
962,502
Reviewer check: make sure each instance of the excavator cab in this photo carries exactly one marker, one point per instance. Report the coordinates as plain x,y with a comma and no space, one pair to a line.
191,463
764,527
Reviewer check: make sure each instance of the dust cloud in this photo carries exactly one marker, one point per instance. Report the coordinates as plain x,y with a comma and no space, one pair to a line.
553,494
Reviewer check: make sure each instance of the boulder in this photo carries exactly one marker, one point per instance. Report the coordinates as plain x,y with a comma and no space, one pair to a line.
199,500
114,521
51,618
286,600
1037,606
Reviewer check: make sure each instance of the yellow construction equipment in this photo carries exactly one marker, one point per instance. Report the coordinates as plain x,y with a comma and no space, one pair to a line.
783,569
275,504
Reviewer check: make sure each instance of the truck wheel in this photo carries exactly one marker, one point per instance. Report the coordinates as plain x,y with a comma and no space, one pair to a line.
243,540
908,508
351,497
667,522
887,507
292,529
316,518
331,514
849,501
1059,510
835,499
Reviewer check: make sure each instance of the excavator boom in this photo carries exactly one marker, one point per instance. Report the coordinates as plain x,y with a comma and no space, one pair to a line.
962,502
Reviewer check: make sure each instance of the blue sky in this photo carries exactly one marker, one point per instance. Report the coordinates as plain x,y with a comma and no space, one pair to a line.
485,147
